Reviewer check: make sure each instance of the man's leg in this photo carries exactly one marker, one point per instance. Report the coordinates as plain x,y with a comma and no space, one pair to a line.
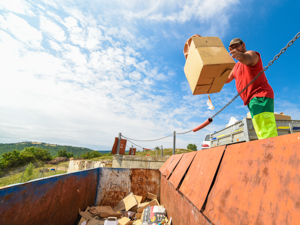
262,113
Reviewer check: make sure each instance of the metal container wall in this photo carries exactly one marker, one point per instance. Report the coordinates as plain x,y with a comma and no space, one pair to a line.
56,200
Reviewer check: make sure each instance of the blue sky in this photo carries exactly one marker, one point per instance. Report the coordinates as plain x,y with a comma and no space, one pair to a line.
80,72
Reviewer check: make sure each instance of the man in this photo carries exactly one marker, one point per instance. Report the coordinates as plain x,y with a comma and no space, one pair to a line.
259,96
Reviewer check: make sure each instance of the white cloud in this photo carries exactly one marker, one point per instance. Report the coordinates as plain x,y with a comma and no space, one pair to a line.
94,79
17,6
20,29
52,29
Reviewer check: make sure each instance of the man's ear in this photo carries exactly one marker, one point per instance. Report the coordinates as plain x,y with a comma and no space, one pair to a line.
244,46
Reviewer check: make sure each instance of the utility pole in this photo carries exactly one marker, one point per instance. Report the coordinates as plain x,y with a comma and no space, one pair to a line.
174,142
119,143
161,150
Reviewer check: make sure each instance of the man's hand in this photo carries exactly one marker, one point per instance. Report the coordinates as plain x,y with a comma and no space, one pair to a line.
236,54
249,58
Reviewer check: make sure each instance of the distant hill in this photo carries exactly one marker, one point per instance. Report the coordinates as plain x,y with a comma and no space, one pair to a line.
53,148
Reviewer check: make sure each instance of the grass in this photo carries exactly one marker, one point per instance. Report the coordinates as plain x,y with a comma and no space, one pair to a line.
102,158
16,178
166,152
63,167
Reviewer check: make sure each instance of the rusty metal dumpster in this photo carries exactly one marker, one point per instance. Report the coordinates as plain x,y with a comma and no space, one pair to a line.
247,183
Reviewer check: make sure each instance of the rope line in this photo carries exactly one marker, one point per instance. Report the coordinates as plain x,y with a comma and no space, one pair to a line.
185,132
146,140
134,144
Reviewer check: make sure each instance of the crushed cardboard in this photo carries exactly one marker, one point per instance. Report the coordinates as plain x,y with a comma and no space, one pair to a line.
123,221
151,196
137,222
126,203
96,215
152,203
103,211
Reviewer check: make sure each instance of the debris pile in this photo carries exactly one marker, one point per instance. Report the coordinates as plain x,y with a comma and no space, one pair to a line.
129,211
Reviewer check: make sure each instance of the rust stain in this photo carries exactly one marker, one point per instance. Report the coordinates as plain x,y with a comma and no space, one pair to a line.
198,179
48,201
265,191
144,181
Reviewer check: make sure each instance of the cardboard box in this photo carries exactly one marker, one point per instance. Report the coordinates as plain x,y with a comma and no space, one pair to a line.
126,203
208,65
151,196
123,221
143,206
280,116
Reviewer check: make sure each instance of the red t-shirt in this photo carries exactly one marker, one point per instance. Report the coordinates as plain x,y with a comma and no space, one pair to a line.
244,74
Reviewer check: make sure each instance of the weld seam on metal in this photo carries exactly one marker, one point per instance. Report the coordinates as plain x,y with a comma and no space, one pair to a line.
181,181
174,168
98,182
213,182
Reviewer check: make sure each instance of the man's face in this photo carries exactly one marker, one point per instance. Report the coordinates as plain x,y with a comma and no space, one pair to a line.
239,47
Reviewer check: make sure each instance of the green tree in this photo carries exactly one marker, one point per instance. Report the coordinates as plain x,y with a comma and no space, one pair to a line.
192,147
29,169
64,153
157,148
29,172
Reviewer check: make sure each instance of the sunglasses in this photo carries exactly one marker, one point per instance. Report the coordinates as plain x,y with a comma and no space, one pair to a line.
234,46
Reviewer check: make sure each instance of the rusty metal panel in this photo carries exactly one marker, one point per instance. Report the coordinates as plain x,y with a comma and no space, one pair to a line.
122,146
144,181
172,165
178,207
258,183
53,200
116,183
198,179
181,168
166,164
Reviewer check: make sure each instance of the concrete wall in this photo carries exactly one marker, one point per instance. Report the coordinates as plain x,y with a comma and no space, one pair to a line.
133,161
77,165
56,200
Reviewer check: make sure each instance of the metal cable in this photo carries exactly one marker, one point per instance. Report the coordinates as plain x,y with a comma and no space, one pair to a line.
146,140
185,132
135,144
265,68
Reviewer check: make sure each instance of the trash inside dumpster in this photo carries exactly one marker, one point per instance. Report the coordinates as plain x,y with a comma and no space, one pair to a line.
130,210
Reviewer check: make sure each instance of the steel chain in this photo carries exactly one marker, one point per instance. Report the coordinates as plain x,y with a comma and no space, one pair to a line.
265,68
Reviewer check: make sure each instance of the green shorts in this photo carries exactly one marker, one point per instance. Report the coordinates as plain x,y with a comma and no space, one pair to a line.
262,113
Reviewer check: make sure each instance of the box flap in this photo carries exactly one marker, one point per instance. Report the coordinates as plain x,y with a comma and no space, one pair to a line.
219,82
126,203
137,222
215,55
152,203
206,42
151,196
138,198
123,221
203,89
